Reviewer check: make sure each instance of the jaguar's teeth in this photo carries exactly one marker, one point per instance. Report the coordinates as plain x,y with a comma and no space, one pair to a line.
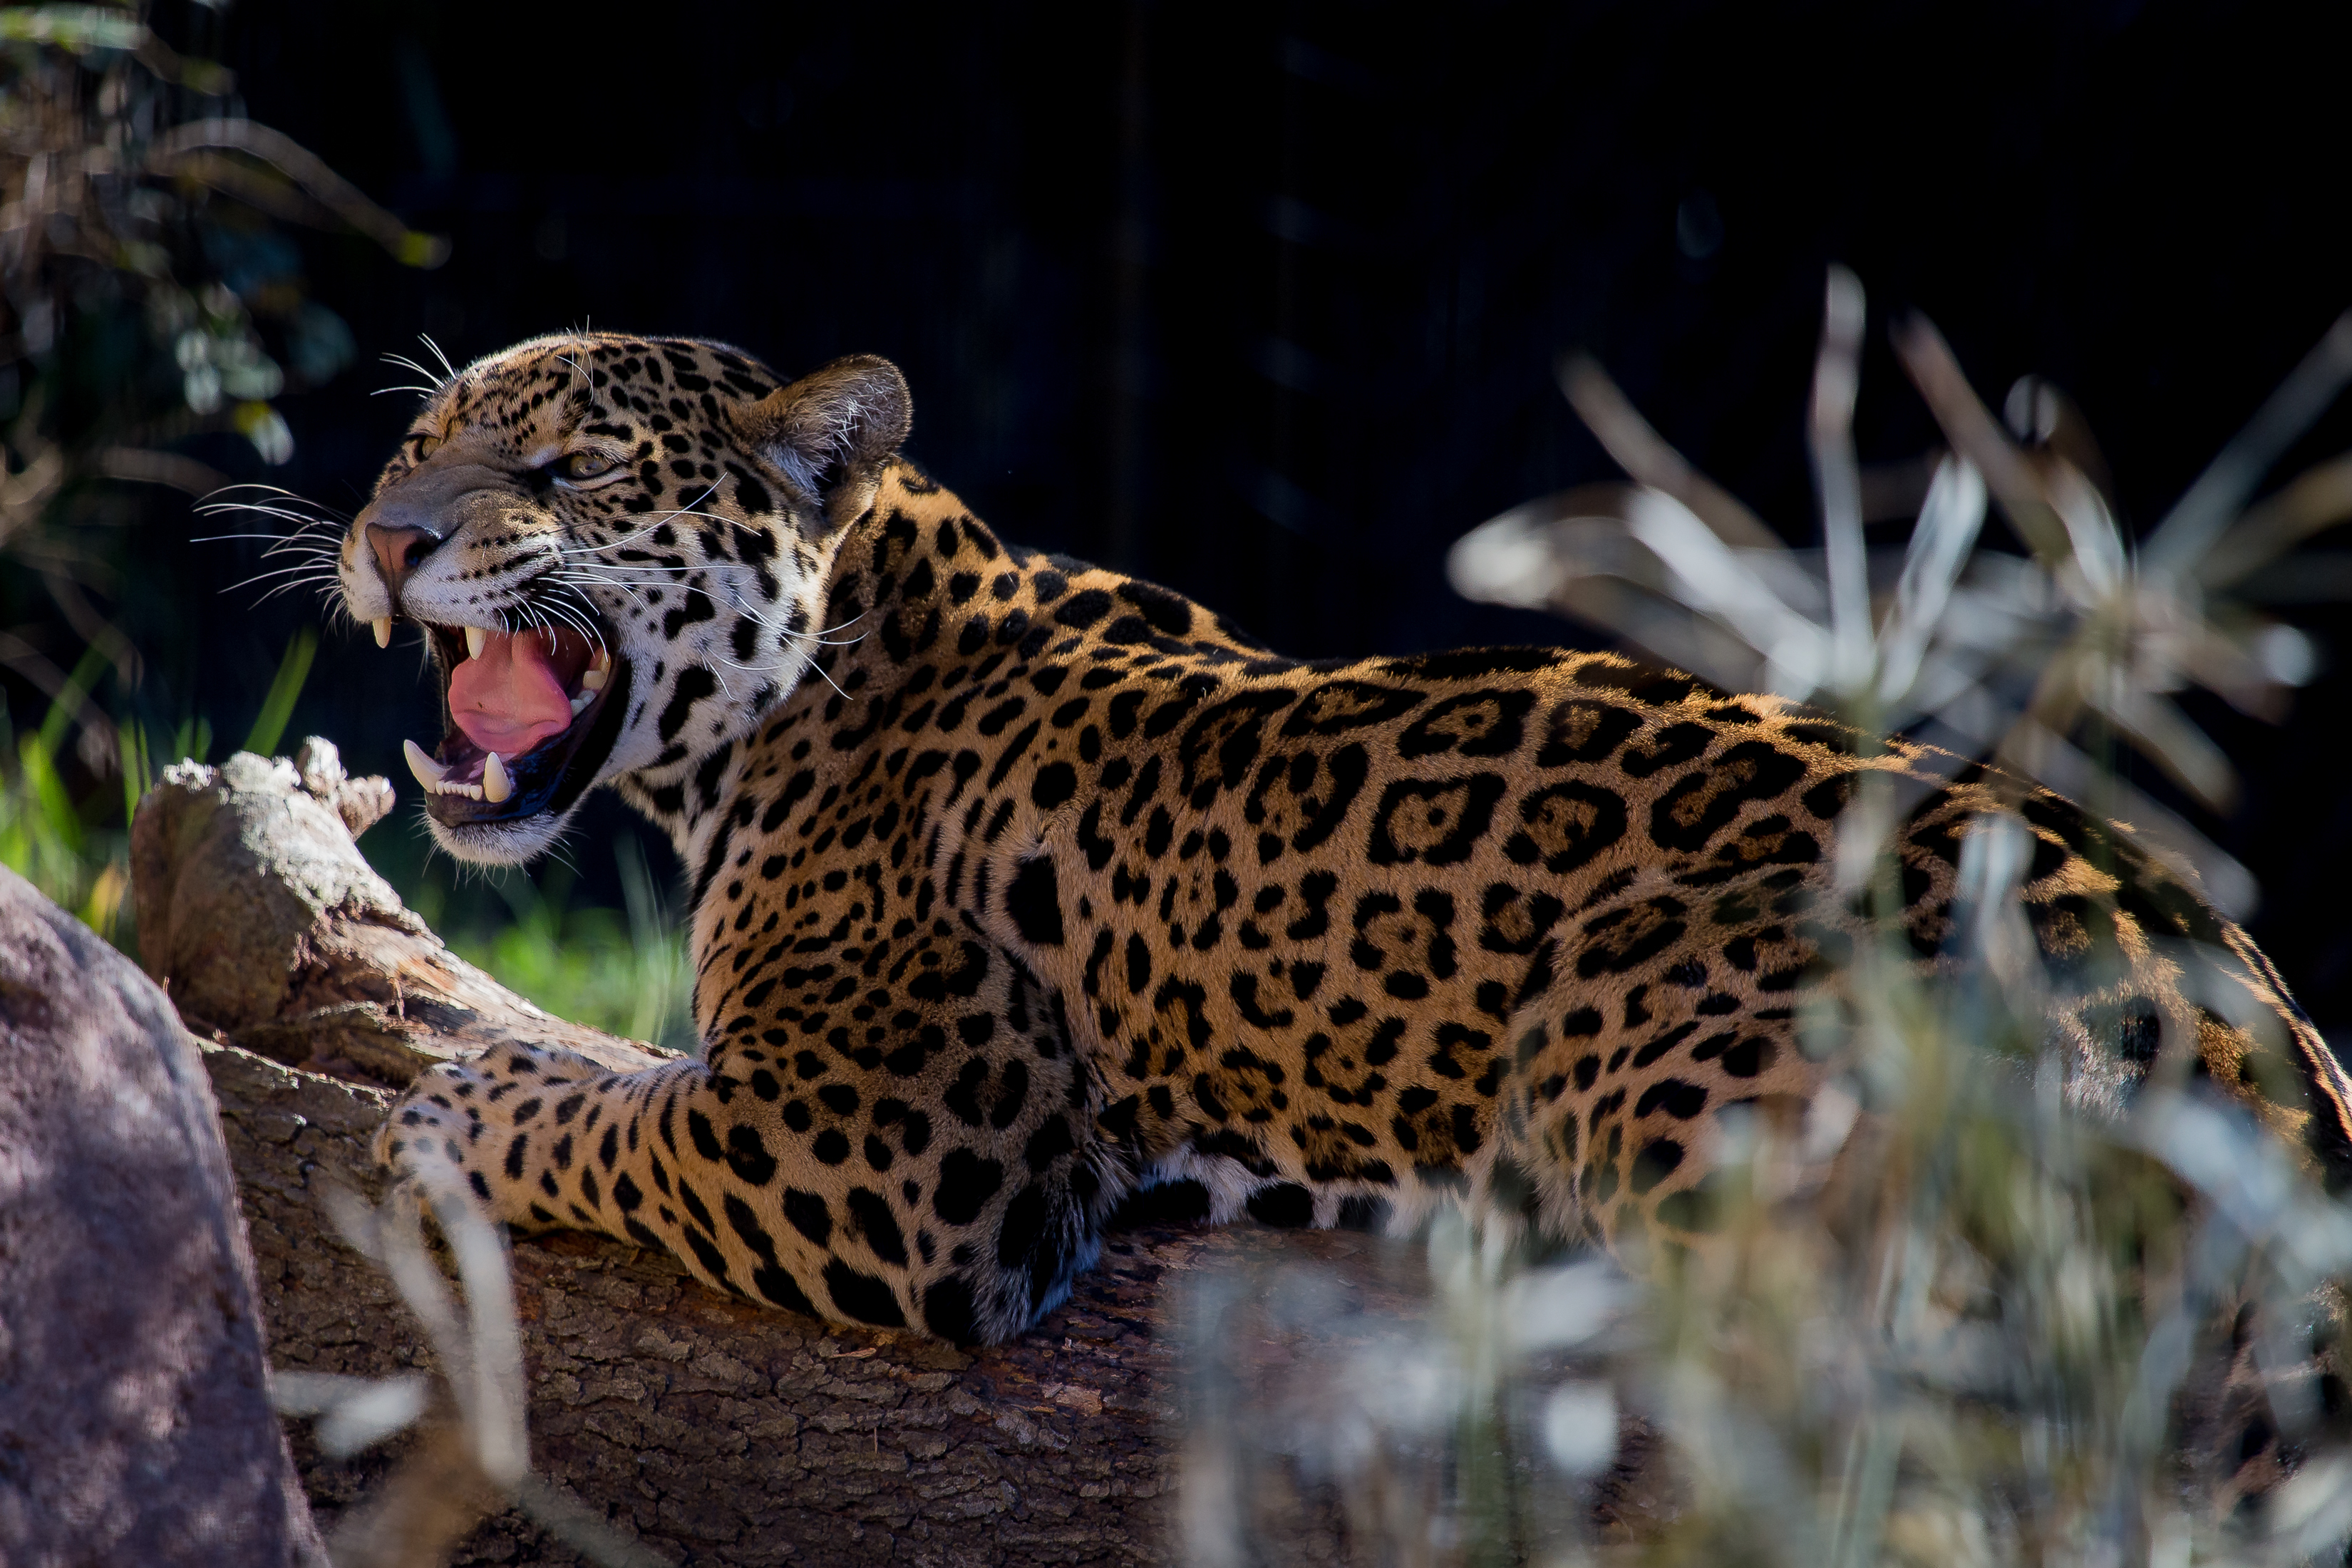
601,662
428,773
496,785
592,680
474,638
580,703
382,627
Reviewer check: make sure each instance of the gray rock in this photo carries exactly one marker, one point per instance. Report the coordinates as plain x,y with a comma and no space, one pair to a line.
135,1423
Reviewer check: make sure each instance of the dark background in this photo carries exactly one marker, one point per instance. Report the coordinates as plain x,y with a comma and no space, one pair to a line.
1263,300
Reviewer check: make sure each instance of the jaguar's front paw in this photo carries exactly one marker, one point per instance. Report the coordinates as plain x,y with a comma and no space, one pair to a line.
454,1128
434,1139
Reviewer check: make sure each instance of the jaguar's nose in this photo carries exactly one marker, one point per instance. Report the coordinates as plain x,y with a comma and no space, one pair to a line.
398,548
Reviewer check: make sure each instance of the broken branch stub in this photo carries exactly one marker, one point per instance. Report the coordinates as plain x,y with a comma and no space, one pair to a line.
259,916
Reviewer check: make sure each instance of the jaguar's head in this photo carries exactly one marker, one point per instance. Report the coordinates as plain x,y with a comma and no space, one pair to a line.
617,550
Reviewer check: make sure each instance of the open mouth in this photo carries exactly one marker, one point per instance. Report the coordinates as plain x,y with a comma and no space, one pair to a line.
528,719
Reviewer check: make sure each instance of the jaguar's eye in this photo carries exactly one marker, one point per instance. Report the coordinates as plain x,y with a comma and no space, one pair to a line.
580,466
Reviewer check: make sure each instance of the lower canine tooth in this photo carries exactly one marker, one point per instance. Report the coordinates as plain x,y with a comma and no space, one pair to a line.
382,627
496,785
474,638
592,680
428,771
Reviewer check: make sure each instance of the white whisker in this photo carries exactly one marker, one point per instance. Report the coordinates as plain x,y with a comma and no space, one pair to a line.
306,569
279,540
778,668
574,583
278,490
686,510
324,587
426,339
267,509
404,363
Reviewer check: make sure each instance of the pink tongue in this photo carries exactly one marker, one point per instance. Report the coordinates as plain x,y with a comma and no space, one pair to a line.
507,698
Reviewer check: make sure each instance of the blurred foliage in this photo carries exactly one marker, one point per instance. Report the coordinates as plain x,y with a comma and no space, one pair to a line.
477,1371
150,297
147,299
75,848
1949,1315
2059,660
49,839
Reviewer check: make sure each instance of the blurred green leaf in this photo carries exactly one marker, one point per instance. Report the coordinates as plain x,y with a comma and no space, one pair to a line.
625,972
74,27
426,251
277,706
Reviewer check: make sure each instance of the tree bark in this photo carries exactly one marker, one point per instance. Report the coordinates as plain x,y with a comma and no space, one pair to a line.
708,1428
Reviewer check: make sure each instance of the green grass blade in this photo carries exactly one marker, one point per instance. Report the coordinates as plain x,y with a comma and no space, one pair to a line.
61,711
193,739
138,765
278,706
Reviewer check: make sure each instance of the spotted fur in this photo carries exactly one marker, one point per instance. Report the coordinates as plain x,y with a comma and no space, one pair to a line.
1033,885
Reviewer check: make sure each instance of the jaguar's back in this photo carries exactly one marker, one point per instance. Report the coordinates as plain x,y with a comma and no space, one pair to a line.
1340,942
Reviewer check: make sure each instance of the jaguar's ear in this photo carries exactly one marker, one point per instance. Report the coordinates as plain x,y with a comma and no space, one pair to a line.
832,432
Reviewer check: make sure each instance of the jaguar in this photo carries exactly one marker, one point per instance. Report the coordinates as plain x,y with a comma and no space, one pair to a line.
1020,887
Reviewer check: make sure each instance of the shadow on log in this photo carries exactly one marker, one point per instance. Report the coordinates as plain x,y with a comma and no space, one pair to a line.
707,1428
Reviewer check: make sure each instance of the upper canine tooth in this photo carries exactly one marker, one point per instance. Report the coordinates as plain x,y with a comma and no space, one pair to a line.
474,638
496,785
420,762
382,627
604,660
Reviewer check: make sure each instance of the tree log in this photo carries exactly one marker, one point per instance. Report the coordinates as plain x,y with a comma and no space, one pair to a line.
708,1428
